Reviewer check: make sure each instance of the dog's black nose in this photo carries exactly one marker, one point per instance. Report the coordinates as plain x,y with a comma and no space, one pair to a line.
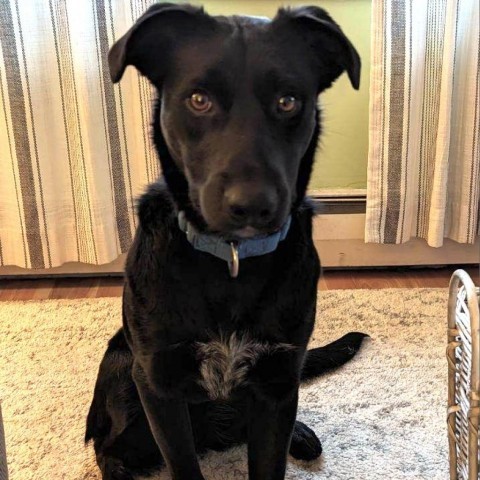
253,205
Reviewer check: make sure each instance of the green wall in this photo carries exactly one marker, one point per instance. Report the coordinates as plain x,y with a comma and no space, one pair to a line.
342,155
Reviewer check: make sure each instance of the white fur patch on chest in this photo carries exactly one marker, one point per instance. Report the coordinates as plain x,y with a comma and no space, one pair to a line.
224,363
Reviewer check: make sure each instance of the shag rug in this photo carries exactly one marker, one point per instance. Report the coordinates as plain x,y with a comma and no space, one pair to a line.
380,417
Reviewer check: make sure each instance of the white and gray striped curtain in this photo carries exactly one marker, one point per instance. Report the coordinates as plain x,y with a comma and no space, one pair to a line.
75,150
424,164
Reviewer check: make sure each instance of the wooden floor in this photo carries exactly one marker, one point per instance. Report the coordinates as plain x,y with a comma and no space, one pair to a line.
94,287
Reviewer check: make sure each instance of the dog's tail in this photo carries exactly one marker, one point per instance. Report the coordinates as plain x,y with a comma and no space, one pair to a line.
332,356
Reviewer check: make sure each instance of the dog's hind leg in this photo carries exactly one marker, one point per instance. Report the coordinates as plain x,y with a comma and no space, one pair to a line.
305,444
116,422
113,468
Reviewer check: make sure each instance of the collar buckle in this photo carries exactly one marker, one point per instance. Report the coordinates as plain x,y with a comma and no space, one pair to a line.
234,263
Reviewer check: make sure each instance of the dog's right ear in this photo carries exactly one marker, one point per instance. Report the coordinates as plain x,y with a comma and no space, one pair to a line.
148,44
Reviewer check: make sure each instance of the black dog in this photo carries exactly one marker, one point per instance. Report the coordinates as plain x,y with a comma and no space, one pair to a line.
210,356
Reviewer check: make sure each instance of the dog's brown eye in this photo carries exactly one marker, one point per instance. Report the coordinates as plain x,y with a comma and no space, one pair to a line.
287,104
200,102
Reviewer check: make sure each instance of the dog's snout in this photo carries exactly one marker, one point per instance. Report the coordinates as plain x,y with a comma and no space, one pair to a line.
251,204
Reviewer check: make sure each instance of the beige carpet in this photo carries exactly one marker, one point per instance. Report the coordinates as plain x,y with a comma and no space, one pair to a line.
380,417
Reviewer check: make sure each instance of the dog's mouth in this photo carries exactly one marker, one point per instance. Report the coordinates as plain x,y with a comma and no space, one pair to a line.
242,233
237,231
247,232
250,231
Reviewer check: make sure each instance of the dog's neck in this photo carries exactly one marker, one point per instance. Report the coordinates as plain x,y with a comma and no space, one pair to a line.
178,185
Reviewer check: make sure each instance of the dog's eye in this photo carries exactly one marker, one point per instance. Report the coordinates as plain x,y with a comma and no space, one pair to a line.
200,102
287,104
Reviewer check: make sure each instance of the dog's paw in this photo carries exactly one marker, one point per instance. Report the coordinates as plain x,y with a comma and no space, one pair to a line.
305,444
115,470
121,473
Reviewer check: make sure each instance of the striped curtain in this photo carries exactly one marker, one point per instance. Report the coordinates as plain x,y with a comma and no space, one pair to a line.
74,149
424,164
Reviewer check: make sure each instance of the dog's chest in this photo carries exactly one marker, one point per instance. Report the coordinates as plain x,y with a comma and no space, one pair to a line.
226,362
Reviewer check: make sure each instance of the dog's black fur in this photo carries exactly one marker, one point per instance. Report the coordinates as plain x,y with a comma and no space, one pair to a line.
205,361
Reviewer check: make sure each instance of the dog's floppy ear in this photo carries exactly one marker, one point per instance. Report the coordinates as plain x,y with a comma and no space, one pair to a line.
150,41
329,45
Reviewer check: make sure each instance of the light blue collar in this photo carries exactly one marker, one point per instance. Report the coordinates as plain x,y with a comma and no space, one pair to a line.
232,251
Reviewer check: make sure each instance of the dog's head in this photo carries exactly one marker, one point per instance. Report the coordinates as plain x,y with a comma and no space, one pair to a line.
237,121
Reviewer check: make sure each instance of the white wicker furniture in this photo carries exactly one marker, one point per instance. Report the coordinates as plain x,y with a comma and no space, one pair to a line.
463,354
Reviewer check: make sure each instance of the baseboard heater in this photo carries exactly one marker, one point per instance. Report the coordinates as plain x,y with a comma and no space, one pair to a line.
339,235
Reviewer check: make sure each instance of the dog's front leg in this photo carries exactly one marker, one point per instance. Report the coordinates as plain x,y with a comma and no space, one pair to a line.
270,426
170,424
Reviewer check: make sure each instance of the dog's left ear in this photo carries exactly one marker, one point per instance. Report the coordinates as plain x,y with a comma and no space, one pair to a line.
332,51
